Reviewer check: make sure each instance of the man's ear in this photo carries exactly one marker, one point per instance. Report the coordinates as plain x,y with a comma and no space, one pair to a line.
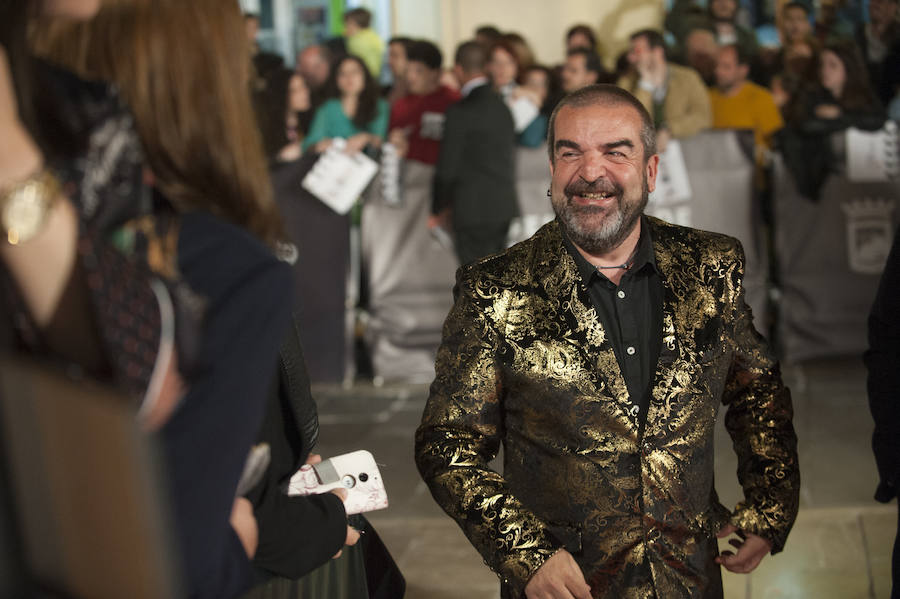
651,169
458,73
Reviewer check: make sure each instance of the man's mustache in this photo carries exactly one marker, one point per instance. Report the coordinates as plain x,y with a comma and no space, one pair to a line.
582,187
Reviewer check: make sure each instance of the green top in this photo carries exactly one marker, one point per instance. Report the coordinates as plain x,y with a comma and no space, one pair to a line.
330,121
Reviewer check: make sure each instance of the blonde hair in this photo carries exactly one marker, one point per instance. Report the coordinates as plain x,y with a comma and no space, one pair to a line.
183,67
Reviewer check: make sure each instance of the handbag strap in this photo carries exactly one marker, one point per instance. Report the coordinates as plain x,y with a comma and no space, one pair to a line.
295,388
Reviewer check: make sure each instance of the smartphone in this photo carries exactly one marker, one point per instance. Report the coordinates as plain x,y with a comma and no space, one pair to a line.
357,472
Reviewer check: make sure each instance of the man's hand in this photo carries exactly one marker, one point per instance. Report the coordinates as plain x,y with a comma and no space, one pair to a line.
750,551
441,219
398,138
558,578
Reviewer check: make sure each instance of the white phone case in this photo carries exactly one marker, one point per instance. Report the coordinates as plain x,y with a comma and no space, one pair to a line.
356,472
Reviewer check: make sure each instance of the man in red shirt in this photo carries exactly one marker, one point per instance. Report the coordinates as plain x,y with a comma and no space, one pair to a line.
417,119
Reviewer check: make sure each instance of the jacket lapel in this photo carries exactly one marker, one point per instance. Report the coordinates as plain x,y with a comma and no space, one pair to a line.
558,274
670,375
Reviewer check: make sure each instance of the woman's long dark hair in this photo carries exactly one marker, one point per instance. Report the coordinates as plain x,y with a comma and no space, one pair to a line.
857,95
367,105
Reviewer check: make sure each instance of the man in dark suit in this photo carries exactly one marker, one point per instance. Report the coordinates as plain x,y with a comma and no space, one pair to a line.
474,182
599,352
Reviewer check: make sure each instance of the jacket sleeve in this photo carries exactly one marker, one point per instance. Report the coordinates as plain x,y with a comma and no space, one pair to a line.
460,434
758,419
298,534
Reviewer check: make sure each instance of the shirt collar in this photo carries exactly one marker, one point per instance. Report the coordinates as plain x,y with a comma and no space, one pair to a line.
470,85
643,258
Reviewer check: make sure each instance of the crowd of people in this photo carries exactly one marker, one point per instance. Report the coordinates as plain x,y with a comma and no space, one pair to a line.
705,70
151,259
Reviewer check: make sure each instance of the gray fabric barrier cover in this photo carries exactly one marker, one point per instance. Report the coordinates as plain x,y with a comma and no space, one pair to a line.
410,279
830,255
322,238
532,183
720,170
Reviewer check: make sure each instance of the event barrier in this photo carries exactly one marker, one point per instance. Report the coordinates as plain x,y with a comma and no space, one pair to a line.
830,255
409,276
532,183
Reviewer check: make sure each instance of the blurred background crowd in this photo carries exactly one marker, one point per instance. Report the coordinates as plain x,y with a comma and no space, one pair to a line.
783,80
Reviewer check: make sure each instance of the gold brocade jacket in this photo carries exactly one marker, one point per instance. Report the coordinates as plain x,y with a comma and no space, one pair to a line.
525,361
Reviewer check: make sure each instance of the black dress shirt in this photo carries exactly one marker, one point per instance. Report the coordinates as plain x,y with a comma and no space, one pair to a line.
631,315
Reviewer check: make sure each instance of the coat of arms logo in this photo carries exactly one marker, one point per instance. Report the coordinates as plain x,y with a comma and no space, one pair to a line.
869,234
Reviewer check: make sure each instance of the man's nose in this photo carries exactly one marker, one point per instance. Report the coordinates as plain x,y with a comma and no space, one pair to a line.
593,167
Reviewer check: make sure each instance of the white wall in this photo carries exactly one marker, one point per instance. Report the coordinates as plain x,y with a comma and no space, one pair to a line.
542,22
418,19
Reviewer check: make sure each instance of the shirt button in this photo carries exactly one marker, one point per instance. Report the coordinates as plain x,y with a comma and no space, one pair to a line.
621,294
630,351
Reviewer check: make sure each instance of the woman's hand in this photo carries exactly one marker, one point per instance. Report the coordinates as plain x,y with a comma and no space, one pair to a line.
356,143
352,534
322,145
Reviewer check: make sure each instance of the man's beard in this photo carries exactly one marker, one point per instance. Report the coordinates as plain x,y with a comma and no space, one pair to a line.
599,239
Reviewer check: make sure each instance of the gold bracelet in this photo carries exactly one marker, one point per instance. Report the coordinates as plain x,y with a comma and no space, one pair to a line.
24,206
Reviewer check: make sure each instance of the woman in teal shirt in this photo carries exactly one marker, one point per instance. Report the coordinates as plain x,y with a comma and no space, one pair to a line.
354,111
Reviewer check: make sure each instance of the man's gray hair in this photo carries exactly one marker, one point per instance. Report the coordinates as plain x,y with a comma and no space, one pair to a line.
606,95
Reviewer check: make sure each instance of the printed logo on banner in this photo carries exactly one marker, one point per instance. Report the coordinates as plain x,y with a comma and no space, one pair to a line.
869,234
671,200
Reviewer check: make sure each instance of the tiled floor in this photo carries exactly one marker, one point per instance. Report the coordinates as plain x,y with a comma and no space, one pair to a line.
839,548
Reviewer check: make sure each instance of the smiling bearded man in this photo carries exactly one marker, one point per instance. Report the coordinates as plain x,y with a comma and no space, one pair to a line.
599,353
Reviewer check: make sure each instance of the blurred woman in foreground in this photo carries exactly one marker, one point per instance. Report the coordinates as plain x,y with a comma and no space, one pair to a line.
182,68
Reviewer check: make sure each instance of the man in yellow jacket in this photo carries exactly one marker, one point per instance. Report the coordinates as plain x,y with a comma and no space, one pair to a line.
362,39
